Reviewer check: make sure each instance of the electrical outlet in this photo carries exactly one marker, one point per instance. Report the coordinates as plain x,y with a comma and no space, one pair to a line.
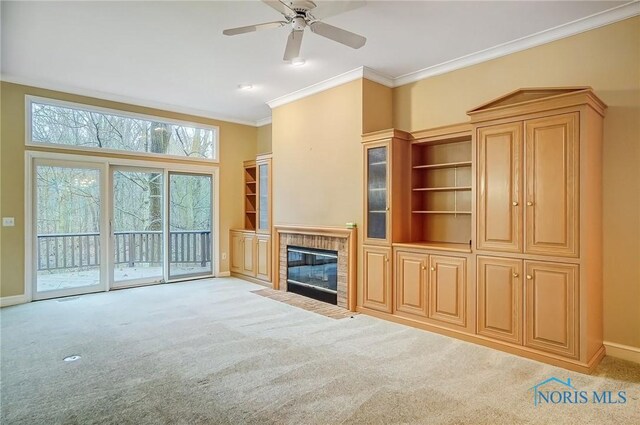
8,221
224,255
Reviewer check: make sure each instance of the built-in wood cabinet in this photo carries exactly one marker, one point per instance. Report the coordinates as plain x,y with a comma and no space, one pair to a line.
263,257
447,289
551,305
251,248
411,282
552,185
500,295
500,154
263,181
236,246
496,227
549,171
377,278
243,247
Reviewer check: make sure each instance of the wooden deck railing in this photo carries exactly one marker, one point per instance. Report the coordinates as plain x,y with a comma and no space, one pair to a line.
72,250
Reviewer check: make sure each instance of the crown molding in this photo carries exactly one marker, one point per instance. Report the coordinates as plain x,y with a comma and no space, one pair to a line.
263,121
121,99
578,26
377,77
338,80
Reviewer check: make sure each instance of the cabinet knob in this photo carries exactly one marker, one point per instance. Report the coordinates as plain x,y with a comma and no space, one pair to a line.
514,203
433,269
529,277
387,209
529,203
424,267
516,275
386,258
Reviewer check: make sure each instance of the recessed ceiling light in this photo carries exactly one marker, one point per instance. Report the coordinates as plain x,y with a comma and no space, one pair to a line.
297,62
245,86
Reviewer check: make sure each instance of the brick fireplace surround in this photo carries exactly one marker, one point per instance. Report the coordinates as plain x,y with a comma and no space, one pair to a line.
331,238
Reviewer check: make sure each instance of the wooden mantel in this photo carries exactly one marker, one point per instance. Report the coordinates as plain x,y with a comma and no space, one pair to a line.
350,234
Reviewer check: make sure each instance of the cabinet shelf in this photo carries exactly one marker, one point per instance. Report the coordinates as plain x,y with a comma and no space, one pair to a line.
250,212
378,211
378,163
444,188
441,212
376,189
443,165
437,246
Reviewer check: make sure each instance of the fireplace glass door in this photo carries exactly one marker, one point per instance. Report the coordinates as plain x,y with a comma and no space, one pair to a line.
313,272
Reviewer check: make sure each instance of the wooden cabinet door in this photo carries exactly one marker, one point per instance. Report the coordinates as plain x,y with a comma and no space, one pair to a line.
551,306
263,262
499,187
376,193
237,252
411,282
500,298
552,182
263,210
447,294
377,279
248,257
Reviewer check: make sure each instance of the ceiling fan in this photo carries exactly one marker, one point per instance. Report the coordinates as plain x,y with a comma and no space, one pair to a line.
302,14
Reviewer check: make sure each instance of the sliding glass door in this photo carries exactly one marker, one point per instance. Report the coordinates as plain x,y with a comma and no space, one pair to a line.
67,213
137,223
190,230
99,225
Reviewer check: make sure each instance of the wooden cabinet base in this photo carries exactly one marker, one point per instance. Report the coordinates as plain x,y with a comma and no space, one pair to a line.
575,365
252,279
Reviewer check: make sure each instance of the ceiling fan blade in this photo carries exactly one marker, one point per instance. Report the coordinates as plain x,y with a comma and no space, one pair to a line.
252,28
294,42
279,6
332,8
338,34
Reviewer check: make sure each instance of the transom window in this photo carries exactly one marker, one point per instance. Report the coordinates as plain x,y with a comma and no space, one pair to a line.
76,126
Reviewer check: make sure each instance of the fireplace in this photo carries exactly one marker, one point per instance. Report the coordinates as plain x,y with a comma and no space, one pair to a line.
313,272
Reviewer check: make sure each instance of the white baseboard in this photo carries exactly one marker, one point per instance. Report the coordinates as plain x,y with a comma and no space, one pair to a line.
13,300
224,274
625,352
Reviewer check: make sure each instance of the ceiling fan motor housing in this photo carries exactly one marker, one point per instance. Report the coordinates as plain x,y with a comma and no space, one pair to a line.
298,23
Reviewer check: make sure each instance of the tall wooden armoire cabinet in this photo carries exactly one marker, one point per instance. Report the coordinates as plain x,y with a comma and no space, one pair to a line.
491,231
251,255
539,221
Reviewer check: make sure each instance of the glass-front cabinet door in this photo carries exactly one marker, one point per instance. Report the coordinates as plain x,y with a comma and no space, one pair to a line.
377,202
263,224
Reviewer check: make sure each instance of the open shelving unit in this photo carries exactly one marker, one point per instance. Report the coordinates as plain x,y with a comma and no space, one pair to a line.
250,195
441,192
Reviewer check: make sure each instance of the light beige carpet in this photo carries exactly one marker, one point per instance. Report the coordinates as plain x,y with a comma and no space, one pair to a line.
212,352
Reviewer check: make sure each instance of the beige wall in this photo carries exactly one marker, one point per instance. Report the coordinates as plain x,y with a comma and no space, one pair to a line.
377,106
264,139
608,59
237,143
317,170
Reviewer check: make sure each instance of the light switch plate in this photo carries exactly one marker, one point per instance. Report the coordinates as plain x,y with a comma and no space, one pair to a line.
8,221
224,255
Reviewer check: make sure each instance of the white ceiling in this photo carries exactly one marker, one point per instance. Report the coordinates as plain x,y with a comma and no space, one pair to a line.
173,54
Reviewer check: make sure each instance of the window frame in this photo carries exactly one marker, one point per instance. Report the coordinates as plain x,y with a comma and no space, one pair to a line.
29,142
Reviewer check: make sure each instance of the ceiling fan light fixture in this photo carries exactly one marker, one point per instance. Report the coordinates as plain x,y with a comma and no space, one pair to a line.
297,62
